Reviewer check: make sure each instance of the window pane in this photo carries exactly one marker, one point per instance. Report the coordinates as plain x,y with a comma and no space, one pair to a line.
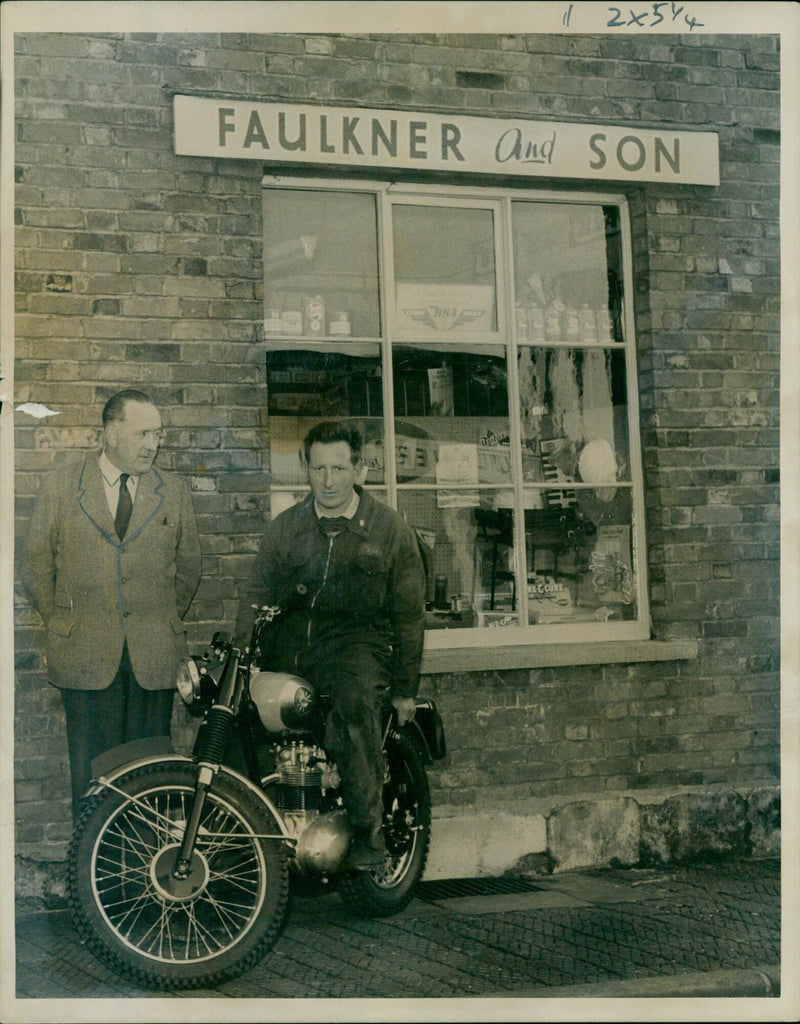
579,558
451,417
567,273
304,388
574,415
280,499
445,275
320,264
469,561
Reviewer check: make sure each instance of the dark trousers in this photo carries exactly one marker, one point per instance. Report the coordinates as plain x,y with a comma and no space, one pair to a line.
98,720
356,679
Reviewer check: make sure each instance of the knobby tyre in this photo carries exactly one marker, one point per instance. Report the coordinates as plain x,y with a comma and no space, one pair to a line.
158,931
385,890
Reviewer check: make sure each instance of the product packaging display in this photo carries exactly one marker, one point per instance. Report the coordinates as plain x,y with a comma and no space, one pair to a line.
339,324
314,316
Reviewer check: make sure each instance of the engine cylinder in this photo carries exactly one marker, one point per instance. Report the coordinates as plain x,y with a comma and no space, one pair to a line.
299,791
300,777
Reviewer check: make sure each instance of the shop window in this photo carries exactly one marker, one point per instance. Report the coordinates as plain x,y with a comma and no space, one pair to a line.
483,342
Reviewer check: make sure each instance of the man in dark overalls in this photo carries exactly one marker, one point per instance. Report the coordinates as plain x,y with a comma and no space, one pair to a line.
354,623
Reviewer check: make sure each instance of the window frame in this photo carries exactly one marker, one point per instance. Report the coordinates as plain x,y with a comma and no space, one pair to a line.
502,342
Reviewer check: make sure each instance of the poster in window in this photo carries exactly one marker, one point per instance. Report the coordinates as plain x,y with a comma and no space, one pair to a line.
612,576
457,465
558,459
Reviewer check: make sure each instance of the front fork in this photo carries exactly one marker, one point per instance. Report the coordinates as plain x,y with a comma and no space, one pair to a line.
212,742
183,864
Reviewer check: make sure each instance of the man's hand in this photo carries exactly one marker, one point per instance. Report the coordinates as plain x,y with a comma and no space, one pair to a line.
405,707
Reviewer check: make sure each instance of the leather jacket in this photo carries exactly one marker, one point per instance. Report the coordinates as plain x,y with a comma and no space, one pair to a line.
364,585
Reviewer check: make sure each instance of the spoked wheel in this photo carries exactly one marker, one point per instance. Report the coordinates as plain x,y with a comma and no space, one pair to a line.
385,890
161,931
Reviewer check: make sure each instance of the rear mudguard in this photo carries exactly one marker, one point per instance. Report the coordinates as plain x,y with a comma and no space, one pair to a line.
426,731
113,764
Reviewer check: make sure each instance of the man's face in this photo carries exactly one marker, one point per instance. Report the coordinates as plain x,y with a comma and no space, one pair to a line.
331,475
132,442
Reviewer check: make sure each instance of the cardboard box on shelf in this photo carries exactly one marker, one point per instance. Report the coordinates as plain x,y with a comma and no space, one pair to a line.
497,619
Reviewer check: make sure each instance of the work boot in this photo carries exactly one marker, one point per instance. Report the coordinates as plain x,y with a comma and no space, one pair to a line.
367,850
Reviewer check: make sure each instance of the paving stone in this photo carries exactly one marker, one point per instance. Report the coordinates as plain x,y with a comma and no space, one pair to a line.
578,928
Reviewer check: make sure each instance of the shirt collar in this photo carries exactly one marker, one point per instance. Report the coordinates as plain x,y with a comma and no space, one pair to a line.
111,473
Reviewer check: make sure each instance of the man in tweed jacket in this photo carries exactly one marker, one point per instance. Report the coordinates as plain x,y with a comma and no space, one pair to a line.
112,594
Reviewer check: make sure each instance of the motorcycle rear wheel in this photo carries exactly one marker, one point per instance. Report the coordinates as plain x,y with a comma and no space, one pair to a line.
386,890
167,933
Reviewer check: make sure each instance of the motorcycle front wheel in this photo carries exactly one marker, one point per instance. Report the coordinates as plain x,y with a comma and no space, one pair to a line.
164,932
387,889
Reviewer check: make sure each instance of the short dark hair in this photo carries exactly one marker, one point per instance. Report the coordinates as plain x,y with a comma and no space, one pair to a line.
331,431
114,409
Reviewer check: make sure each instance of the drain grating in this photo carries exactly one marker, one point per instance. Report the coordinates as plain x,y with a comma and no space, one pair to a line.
453,888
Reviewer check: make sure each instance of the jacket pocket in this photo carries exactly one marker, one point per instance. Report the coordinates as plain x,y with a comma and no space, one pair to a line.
371,562
370,580
61,621
299,574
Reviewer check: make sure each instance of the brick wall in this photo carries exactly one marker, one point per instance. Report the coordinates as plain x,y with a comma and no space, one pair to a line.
138,267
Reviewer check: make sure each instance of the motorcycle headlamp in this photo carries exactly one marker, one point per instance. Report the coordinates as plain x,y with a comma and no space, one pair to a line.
189,682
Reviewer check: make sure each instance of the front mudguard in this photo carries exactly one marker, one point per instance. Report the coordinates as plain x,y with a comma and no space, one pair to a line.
152,747
111,766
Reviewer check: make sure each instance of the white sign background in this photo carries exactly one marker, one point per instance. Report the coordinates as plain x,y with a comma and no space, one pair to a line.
378,138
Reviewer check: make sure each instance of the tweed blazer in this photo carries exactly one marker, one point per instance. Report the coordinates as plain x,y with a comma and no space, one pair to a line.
94,591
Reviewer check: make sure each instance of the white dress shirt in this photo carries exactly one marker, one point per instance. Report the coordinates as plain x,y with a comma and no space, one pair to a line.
111,475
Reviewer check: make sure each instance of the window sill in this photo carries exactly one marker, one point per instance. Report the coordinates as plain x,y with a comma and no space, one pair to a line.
483,659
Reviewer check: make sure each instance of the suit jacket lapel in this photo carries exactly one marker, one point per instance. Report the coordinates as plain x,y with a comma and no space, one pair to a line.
149,499
92,499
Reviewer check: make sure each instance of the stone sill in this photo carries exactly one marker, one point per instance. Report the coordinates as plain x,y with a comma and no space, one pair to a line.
610,652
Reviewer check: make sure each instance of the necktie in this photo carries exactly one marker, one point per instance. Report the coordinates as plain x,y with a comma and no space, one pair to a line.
124,506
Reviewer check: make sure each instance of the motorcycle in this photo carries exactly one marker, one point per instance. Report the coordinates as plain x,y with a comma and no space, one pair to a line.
181,866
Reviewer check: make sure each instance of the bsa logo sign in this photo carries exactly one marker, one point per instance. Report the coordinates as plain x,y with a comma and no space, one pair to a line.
445,309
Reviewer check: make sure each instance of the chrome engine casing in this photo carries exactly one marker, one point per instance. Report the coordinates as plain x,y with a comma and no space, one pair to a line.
305,785
324,842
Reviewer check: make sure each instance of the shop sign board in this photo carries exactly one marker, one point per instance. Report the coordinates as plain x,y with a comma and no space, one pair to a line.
285,133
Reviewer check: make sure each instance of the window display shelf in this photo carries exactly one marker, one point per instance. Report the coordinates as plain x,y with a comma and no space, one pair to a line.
452,654
577,343
327,343
482,345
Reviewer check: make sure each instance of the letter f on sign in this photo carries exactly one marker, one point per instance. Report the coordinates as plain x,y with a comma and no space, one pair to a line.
225,126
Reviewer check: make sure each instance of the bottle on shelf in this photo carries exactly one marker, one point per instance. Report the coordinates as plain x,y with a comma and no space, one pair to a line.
553,321
588,324
605,333
572,324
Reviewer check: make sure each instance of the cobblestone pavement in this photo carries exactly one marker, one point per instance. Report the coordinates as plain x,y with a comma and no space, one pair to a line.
474,938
